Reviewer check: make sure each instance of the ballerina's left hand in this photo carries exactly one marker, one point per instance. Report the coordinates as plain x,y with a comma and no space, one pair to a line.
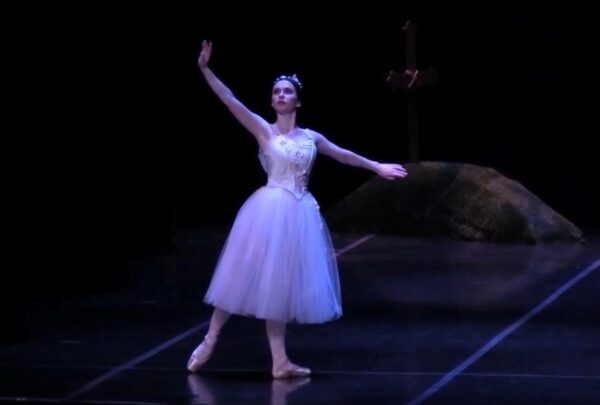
391,171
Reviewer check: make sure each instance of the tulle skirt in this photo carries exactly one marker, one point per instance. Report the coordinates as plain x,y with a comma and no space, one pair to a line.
278,262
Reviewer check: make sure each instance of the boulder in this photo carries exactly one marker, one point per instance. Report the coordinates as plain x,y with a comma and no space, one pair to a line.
456,200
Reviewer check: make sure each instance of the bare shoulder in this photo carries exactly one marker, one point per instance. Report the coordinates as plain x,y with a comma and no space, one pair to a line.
316,136
268,132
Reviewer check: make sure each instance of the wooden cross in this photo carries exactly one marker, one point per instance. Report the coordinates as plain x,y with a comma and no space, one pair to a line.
410,80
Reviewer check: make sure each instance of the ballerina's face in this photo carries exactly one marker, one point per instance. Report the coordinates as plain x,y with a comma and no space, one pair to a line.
284,97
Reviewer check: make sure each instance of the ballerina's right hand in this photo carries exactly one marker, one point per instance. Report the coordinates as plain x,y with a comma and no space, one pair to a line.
205,54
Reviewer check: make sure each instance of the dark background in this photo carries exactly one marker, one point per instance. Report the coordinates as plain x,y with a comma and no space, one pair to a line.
117,142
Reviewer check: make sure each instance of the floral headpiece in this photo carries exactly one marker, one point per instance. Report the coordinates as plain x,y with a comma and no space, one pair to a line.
293,78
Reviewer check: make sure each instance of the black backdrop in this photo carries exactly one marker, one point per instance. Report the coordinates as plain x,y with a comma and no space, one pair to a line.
117,140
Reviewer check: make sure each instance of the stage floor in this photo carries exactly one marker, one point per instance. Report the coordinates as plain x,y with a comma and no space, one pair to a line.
425,321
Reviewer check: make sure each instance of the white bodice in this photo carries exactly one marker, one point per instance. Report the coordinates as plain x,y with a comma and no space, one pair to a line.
288,162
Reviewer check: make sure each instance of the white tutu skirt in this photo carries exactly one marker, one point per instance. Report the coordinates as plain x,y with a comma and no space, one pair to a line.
278,262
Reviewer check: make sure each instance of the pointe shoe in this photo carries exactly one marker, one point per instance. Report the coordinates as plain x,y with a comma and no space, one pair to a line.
200,356
291,370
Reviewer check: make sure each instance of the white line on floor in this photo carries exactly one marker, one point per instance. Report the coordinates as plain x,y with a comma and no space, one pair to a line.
97,381
500,336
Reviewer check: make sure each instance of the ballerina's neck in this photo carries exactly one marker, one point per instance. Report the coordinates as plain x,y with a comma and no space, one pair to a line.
285,129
